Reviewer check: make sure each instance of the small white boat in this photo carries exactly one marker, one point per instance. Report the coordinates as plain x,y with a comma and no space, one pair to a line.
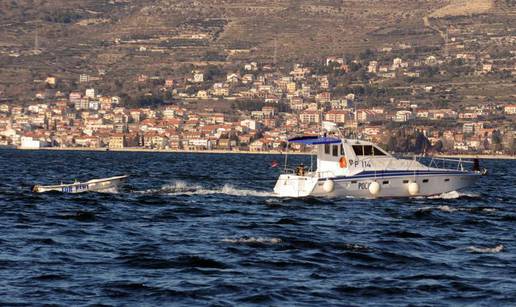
94,185
357,168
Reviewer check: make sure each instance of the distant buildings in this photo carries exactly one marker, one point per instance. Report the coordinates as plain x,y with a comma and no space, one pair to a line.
267,105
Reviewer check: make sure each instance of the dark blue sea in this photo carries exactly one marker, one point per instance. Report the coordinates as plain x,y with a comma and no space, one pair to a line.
198,229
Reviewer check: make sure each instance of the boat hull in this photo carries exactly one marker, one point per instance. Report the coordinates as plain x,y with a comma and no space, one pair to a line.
388,186
96,185
295,186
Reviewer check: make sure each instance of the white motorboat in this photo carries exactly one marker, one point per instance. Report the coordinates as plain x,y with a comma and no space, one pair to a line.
94,185
357,168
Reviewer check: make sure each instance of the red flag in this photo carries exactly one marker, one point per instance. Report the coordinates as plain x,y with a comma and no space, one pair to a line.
274,164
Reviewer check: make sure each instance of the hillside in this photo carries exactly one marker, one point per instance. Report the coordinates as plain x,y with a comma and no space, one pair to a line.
464,8
127,37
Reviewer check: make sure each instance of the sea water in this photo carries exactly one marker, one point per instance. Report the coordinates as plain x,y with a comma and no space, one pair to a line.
200,229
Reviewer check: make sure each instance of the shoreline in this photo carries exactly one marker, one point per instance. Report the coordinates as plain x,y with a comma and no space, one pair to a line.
150,150
219,151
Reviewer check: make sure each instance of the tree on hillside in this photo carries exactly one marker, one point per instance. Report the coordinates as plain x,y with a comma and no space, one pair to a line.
213,72
367,55
248,105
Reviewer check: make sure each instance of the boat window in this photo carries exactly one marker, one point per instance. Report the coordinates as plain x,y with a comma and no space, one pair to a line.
365,150
405,181
378,152
327,149
353,182
447,179
425,180
342,153
358,149
335,150
385,182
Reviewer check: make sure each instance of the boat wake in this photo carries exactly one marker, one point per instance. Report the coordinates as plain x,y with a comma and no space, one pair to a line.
454,195
180,187
113,190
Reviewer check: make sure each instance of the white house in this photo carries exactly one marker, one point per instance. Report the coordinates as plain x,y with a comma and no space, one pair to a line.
198,77
403,116
90,93
28,142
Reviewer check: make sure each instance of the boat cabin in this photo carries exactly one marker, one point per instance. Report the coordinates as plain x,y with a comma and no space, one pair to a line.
348,157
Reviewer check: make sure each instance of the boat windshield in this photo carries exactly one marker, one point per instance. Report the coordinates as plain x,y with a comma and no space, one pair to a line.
368,150
315,140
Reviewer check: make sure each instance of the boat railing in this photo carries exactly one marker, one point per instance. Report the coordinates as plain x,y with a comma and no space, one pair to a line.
295,171
308,173
289,170
324,174
446,163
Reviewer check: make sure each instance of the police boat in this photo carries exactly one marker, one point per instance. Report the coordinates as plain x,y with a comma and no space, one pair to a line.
357,168
94,185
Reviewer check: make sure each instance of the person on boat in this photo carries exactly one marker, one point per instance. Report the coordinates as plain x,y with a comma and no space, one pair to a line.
300,170
476,165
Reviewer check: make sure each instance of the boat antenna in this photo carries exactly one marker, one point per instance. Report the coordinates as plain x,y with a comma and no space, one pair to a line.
355,118
286,158
321,126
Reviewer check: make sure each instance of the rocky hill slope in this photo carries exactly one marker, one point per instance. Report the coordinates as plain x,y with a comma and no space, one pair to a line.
125,37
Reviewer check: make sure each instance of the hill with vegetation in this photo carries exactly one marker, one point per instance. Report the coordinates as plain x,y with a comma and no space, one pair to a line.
124,38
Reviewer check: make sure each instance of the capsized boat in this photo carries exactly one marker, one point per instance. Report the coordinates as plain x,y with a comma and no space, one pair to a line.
94,185
358,168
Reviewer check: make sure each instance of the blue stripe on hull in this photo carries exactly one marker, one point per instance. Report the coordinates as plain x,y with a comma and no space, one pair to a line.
390,174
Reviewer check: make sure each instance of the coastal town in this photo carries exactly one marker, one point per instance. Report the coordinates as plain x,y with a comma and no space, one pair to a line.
267,107
452,98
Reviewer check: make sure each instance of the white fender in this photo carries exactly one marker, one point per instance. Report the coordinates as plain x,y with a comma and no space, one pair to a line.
374,188
328,186
413,188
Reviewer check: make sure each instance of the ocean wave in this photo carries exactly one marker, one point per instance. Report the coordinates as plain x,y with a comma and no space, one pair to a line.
449,209
454,195
231,190
486,250
113,190
180,187
250,240
145,261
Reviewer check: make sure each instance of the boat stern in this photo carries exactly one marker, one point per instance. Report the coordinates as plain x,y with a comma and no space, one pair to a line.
289,185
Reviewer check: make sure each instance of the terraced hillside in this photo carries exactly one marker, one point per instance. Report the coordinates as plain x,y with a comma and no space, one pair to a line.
127,37
464,8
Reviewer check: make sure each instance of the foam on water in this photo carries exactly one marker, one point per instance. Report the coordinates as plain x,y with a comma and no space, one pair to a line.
247,240
446,208
454,195
231,190
180,187
113,190
486,250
